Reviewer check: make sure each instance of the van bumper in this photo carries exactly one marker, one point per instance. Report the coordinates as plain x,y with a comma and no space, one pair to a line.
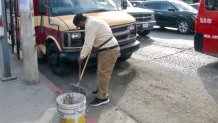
142,26
71,57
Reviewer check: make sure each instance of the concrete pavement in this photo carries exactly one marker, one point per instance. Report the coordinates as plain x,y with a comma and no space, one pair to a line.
23,103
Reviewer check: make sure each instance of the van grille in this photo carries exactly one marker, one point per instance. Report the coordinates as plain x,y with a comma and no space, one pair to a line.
119,29
143,17
123,34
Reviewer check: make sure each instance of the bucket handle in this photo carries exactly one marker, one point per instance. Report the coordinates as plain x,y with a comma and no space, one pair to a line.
80,111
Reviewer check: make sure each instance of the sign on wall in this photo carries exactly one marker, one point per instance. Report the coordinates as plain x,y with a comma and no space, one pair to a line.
24,5
1,8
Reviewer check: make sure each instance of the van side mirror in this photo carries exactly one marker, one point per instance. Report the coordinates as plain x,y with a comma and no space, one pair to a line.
124,4
42,7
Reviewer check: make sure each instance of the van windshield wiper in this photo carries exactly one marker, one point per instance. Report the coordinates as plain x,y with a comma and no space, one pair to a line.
98,10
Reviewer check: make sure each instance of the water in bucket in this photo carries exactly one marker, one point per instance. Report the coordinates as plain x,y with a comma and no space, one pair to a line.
71,107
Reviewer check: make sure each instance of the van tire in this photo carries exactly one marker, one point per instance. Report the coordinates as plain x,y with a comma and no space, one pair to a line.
144,33
53,58
184,26
125,57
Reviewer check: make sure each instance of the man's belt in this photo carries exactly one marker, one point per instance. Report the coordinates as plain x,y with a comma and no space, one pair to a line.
108,48
104,42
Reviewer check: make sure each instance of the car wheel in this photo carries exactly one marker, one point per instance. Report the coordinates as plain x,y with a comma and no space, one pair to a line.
125,57
144,33
184,26
53,57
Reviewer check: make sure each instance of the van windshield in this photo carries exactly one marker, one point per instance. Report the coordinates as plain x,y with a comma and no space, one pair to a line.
64,7
118,3
182,6
211,5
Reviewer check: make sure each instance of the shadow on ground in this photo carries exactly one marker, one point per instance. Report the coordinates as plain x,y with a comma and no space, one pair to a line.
166,32
209,76
123,74
145,41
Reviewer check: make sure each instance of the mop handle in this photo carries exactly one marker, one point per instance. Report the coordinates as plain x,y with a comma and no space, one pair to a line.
81,73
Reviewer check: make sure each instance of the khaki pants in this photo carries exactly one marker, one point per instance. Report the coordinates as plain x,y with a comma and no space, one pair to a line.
106,63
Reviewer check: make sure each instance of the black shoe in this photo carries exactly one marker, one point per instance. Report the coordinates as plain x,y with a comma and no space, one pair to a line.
94,93
98,102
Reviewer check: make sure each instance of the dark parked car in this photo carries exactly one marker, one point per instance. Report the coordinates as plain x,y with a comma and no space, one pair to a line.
171,13
195,5
144,17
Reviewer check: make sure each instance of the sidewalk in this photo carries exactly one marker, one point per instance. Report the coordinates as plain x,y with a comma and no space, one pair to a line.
23,103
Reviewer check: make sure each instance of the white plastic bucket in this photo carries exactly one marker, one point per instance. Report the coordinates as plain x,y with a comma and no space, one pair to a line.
72,113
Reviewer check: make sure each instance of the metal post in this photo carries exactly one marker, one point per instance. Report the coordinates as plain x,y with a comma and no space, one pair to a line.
28,42
4,48
12,26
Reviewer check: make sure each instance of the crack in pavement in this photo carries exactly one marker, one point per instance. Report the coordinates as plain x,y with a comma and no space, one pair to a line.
168,55
129,115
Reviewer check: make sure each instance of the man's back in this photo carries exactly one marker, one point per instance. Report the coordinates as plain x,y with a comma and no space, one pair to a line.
101,30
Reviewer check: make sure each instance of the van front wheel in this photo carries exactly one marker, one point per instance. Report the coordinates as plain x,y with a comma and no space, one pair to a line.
53,56
125,57
144,33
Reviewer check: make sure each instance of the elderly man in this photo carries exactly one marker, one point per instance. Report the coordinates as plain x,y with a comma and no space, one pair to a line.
98,35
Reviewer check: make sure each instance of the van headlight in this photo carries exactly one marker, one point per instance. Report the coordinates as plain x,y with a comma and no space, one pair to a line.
76,35
72,39
193,17
132,30
153,18
132,27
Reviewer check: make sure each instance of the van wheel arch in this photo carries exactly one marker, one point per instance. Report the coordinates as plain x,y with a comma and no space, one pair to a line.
49,42
53,58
